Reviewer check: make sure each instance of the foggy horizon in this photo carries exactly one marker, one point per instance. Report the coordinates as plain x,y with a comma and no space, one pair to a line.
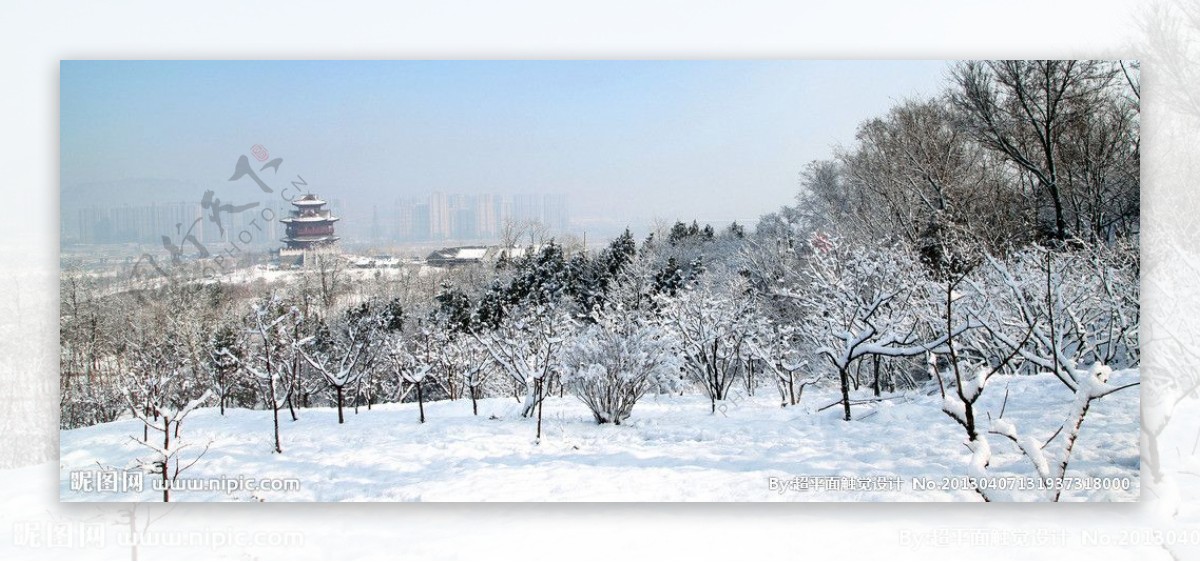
629,143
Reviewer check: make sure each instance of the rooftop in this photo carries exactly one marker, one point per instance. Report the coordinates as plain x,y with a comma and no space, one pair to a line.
307,200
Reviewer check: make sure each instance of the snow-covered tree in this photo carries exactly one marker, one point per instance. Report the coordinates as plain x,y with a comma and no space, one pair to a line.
1013,304
610,366
225,349
169,459
425,353
322,281
160,388
863,302
271,353
342,355
527,347
710,318
782,354
90,323
1080,307
475,366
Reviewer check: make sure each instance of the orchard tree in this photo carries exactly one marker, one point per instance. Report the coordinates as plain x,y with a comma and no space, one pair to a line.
528,347
711,320
861,302
225,350
160,390
343,354
271,352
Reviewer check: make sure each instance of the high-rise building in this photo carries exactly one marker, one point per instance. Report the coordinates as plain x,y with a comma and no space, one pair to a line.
439,216
504,212
472,217
464,224
554,212
527,207
422,226
486,224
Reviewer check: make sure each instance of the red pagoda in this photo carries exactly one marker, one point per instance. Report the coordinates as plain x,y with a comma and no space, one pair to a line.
309,226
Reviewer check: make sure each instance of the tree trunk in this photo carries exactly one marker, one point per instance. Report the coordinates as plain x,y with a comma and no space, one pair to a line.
291,407
474,401
969,411
844,374
531,398
275,412
294,382
420,402
341,418
1071,437
538,392
357,394
166,462
876,385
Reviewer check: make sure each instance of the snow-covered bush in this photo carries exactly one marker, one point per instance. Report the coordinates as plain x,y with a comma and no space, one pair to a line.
712,320
611,369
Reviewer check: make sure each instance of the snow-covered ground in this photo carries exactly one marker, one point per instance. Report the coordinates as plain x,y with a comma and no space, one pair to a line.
672,449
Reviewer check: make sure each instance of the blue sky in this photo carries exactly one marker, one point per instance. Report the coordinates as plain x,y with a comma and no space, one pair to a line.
630,141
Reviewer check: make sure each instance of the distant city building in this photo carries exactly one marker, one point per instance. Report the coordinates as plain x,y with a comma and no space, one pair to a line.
309,226
147,223
179,222
468,217
439,216
459,217
486,212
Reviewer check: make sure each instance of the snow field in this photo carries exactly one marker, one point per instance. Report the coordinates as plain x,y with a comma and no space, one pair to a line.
671,449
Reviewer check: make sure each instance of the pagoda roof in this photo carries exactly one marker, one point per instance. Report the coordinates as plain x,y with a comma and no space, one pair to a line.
321,238
307,200
310,219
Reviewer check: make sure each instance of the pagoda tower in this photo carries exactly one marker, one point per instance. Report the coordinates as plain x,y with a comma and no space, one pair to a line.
309,225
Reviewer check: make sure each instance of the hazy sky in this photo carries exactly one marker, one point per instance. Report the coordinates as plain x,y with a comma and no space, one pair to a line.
629,141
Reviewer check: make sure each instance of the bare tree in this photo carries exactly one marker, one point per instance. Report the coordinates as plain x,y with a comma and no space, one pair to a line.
920,178
160,389
1024,109
324,277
